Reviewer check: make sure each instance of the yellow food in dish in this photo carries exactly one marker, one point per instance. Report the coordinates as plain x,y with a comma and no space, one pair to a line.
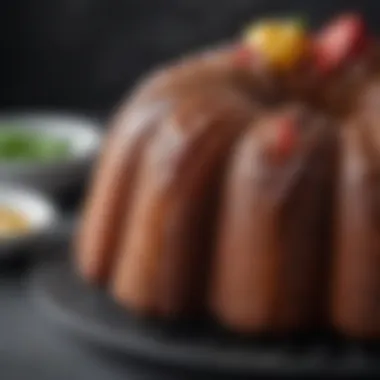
12,222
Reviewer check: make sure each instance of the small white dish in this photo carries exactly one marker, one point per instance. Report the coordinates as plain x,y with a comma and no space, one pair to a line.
84,136
39,211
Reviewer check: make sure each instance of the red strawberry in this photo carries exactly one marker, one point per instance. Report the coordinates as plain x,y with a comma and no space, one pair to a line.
343,39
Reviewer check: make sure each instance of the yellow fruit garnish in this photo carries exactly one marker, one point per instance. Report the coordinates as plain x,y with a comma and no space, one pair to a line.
12,222
282,43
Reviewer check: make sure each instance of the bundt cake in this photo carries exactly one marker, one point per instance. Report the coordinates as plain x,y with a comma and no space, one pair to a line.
241,183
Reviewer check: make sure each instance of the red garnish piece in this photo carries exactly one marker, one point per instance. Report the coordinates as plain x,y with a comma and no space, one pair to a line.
286,136
343,39
243,56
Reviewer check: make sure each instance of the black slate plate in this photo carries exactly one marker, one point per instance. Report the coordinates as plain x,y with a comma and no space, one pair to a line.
91,315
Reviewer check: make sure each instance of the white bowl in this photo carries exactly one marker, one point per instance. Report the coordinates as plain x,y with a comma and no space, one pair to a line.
84,136
39,210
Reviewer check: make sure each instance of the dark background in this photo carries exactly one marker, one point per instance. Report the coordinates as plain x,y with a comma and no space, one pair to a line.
84,54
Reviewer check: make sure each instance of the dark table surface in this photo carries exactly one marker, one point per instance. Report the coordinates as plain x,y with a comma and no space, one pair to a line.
33,348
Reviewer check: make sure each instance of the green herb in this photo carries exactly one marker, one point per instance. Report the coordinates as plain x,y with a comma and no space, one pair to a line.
27,146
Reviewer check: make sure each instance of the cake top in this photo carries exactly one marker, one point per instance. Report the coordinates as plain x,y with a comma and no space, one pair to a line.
285,43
